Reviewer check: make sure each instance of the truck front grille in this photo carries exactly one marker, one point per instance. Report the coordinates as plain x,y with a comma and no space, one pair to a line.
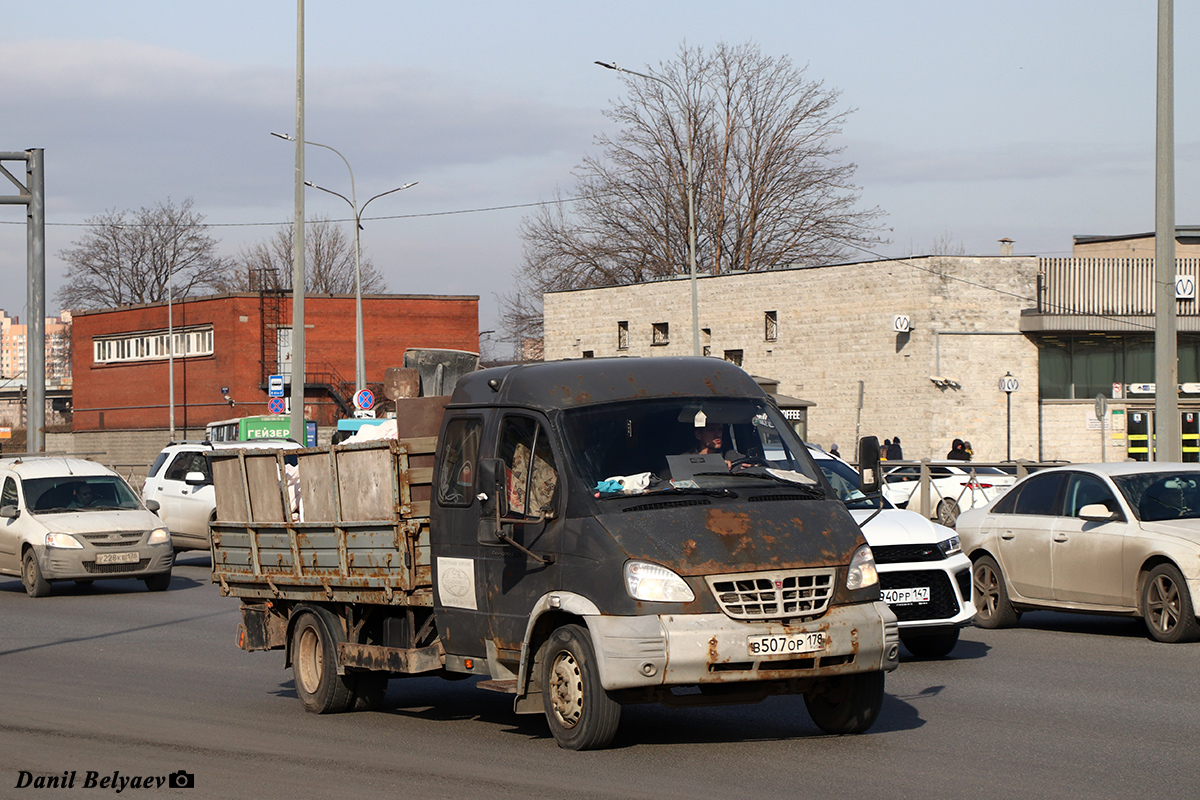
780,594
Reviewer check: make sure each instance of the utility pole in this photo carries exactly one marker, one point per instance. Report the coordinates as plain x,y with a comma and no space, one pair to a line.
32,195
298,425
1166,440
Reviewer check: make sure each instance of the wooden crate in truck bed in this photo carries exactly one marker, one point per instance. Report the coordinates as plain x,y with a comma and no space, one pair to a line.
359,533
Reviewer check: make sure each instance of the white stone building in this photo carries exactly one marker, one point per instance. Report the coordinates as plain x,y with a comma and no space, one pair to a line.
820,331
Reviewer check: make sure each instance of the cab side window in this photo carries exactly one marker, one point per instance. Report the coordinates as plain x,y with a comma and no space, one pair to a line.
460,454
8,497
531,479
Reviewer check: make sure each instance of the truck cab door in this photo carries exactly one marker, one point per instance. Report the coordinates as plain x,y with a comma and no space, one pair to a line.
516,577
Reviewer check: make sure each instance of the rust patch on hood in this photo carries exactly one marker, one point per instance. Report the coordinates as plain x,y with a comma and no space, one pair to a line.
733,527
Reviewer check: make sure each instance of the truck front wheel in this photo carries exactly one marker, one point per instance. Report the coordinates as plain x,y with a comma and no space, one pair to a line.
314,668
847,703
581,713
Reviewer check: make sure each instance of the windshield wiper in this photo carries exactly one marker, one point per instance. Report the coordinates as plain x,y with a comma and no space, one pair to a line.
810,490
710,492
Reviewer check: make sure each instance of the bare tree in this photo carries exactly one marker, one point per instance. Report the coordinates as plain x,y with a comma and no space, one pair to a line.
328,262
770,187
946,245
127,257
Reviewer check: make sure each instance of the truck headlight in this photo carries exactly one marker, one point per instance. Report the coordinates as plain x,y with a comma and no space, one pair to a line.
159,536
862,573
63,540
646,581
950,546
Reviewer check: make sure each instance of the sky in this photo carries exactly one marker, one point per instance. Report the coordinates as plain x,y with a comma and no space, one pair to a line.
971,121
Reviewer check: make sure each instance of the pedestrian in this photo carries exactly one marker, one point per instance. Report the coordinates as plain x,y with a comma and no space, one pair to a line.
969,449
886,450
897,453
957,452
833,450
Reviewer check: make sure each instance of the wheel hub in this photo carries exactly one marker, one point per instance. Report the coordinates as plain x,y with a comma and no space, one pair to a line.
566,690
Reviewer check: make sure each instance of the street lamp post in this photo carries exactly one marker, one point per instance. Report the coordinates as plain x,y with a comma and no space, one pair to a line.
690,197
360,359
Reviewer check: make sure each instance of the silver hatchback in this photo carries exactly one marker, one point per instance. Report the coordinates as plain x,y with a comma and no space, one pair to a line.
72,519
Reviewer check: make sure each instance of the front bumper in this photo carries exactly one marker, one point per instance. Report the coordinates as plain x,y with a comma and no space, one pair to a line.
950,603
58,564
689,649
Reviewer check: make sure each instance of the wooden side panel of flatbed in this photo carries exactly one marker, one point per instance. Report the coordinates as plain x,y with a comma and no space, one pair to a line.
357,533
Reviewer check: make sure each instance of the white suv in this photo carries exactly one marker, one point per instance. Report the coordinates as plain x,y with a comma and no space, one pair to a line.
76,520
180,481
923,575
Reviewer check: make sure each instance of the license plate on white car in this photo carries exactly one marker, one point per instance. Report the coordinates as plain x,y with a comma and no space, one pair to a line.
906,597
788,643
116,558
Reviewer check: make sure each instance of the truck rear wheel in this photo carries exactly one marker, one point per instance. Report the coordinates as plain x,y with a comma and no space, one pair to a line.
314,668
582,715
847,703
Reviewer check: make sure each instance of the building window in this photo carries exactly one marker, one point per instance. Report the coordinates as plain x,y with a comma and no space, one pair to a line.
661,334
771,326
589,354
153,346
734,357
622,335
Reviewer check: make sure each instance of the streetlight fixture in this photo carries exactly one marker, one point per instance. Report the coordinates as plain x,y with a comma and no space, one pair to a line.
690,196
360,362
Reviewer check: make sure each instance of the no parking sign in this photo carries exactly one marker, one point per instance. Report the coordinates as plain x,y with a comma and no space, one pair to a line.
364,399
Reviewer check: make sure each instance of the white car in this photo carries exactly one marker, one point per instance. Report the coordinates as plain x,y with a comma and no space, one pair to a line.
68,519
954,487
1121,538
923,575
180,481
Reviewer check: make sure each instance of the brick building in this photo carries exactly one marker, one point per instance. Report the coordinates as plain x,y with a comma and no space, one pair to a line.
929,338
230,343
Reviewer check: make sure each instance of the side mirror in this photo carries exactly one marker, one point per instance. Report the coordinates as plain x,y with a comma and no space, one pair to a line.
1097,512
153,505
195,479
9,512
868,464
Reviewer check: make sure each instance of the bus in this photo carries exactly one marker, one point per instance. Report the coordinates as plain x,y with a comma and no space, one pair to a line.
247,429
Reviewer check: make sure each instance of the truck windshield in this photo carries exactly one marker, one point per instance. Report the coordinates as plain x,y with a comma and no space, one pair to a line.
686,444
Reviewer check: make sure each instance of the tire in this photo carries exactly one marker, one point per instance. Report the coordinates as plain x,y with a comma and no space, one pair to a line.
1167,606
159,582
314,670
581,714
947,513
846,704
993,609
31,576
931,645
369,690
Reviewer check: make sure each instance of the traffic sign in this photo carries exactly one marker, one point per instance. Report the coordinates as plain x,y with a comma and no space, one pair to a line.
1009,384
364,399
276,405
275,385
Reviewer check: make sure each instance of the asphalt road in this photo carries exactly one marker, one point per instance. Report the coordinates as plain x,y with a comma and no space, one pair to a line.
119,682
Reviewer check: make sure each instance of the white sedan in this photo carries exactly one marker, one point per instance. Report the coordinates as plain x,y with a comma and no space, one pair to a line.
923,575
954,486
1120,538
